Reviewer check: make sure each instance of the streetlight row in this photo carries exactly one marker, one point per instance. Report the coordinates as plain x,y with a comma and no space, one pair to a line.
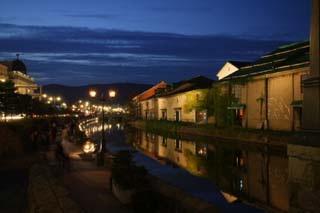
53,99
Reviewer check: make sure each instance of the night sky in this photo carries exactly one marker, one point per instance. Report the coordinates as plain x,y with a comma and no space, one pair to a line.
106,41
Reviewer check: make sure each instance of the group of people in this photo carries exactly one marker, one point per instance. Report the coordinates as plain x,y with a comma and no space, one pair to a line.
42,136
45,135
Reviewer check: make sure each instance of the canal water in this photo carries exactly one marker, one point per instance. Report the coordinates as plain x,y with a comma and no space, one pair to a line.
242,177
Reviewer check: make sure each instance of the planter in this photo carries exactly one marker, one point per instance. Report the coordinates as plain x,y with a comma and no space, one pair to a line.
124,196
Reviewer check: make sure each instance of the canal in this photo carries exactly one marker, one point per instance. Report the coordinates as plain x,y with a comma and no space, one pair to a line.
242,177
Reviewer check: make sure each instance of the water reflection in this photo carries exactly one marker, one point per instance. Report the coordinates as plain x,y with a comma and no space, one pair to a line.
254,173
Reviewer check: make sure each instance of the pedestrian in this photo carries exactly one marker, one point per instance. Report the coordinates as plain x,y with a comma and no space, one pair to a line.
53,132
62,157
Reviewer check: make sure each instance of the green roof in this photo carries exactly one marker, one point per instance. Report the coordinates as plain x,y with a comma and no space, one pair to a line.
297,103
284,58
237,106
199,82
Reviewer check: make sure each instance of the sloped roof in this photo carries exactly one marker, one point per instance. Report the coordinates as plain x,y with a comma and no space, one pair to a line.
240,64
284,58
150,92
199,82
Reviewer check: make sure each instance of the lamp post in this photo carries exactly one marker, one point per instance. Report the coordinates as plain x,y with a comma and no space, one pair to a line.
101,151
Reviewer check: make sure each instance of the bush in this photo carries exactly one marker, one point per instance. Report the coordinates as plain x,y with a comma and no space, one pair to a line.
126,174
10,143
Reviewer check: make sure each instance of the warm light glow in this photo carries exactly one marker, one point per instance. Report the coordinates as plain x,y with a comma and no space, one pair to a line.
3,80
87,103
88,147
44,95
92,93
50,98
58,98
112,93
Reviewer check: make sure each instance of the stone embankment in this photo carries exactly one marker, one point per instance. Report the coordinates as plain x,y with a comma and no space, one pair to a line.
194,131
45,194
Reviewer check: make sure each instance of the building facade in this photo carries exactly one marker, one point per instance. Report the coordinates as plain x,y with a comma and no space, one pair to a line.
146,102
180,101
16,71
268,94
182,106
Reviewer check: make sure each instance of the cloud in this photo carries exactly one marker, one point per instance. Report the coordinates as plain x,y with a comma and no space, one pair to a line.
183,9
72,55
90,16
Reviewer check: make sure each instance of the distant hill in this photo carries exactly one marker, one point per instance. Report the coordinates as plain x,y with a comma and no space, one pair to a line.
125,91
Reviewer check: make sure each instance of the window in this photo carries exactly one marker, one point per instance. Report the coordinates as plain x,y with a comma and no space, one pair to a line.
164,142
236,91
178,114
178,145
164,114
201,116
302,78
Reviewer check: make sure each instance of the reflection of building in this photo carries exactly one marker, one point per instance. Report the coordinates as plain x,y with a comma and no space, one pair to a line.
268,93
253,173
184,101
16,71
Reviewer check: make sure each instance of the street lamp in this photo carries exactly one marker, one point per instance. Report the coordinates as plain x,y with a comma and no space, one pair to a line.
100,154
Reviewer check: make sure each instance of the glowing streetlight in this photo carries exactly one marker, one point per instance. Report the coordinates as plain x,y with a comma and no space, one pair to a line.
92,93
100,154
112,93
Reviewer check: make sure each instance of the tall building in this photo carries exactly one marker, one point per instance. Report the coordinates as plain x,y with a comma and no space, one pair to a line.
16,71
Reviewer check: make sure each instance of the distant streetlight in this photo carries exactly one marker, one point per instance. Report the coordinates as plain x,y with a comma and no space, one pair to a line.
100,154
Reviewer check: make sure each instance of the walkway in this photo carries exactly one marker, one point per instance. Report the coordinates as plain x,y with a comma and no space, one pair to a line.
88,184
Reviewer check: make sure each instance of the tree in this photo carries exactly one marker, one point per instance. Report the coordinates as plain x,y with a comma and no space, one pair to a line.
8,97
218,102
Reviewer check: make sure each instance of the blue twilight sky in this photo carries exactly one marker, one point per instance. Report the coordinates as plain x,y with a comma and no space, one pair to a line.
143,41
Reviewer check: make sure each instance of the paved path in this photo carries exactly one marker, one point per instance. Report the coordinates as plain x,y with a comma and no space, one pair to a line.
89,185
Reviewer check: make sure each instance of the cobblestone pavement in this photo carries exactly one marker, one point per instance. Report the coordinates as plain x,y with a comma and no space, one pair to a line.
89,185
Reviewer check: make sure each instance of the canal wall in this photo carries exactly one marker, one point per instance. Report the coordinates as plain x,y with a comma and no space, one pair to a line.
304,177
235,134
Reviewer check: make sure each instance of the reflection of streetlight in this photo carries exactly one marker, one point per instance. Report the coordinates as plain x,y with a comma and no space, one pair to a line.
100,154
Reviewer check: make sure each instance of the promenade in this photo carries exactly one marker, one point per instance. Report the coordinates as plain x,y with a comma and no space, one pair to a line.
88,184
